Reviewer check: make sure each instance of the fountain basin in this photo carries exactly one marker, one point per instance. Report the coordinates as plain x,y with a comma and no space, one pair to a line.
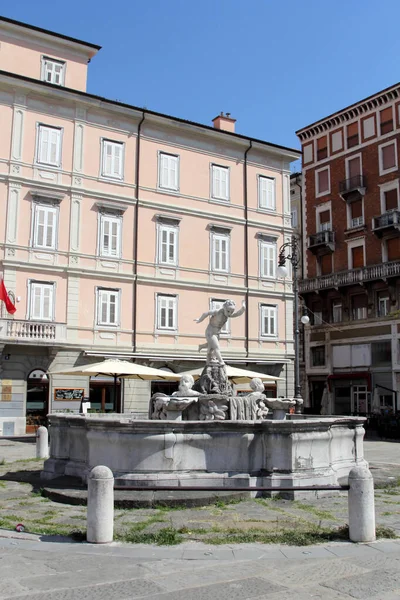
299,452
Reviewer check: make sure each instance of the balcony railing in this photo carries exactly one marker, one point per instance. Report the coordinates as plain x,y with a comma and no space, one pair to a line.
387,220
353,183
12,329
352,276
322,239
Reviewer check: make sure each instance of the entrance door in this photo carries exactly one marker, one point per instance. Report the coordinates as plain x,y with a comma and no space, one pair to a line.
361,400
343,400
37,397
317,389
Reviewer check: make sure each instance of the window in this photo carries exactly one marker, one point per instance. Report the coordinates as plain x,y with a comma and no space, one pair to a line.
267,259
325,264
322,181
391,199
53,71
318,356
353,169
369,127
110,236
48,146
393,249
381,353
108,307
356,214
112,159
266,192
337,141
316,315
219,182
220,252
383,304
167,312
45,226
295,221
352,135
324,220
322,147
168,171
216,305
386,120
359,307
41,301
337,312
167,245
387,158
357,257
269,326
307,153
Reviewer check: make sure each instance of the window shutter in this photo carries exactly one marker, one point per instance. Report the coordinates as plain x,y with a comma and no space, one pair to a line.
107,158
54,140
359,301
263,192
393,249
113,309
117,170
47,302
356,209
114,237
224,183
388,157
216,182
326,264
391,201
173,172
325,216
354,167
50,229
270,193
105,235
40,228
358,256
323,181
36,301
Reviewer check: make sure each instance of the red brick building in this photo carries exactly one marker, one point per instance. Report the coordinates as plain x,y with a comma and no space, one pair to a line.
351,285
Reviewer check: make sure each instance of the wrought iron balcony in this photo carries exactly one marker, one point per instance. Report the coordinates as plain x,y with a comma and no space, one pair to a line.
32,331
350,277
388,222
321,241
353,188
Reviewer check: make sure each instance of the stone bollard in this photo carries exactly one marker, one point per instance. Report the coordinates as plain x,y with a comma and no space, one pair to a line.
361,505
42,442
100,506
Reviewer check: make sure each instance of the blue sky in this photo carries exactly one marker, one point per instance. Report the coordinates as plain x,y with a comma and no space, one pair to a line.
275,66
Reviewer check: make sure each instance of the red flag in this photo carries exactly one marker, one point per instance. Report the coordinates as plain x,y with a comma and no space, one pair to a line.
6,298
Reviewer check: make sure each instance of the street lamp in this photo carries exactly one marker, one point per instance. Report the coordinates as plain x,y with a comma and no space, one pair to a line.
291,251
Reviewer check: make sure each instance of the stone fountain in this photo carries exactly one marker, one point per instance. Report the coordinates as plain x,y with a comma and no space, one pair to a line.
205,435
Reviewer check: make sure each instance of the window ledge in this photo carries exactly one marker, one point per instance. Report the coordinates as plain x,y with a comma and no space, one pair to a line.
358,229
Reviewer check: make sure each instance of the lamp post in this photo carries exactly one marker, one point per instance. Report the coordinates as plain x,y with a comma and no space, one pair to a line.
291,251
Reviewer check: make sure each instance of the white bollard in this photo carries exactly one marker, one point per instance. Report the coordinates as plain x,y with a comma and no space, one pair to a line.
100,506
361,505
42,442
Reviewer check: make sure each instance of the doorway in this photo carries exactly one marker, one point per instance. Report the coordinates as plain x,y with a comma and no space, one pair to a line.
104,396
37,397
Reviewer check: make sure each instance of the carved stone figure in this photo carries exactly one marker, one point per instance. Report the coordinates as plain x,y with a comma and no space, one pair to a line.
209,411
218,318
257,399
159,402
186,384
214,380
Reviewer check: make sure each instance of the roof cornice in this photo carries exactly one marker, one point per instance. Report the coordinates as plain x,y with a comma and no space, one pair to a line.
290,154
349,113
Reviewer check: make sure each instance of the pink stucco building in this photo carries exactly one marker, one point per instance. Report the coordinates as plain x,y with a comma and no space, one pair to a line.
120,227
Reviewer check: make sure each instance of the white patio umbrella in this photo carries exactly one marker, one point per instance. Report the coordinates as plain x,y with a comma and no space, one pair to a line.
376,402
235,374
118,368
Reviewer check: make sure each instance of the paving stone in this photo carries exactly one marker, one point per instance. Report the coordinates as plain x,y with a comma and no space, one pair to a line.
314,592
10,587
252,587
367,585
316,571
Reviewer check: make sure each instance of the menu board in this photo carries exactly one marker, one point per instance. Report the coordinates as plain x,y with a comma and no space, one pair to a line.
74,394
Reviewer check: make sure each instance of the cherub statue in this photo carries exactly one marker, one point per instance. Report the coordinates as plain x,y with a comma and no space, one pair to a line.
160,406
258,396
218,318
185,387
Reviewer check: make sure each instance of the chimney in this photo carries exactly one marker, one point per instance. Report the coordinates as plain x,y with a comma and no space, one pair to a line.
225,122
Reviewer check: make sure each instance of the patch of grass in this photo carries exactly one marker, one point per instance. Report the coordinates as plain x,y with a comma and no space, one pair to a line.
223,504
29,460
168,536
322,514
267,504
385,532
2,462
391,483
290,537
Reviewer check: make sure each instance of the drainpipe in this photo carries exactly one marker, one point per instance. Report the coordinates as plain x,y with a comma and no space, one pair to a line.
301,224
136,233
246,249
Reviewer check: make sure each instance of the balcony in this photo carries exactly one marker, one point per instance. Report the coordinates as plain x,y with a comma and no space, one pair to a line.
350,277
12,330
386,223
353,188
321,242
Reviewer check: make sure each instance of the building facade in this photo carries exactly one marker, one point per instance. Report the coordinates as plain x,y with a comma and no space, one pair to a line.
121,227
351,283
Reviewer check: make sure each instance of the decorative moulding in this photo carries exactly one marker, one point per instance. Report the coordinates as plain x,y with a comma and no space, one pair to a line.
47,196
111,207
173,220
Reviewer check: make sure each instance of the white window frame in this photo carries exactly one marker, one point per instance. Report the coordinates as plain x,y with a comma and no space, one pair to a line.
216,304
383,171
271,311
47,61
337,311
271,183
385,300
363,121
110,219
214,168
294,217
353,244
352,157
312,356
318,194
167,302
308,153
41,158
41,285
360,313
48,209
271,248
113,144
168,229
169,184
101,293
215,237
386,187
352,223
320,209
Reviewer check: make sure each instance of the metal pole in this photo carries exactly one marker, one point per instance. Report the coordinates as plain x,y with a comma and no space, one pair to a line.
297,389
